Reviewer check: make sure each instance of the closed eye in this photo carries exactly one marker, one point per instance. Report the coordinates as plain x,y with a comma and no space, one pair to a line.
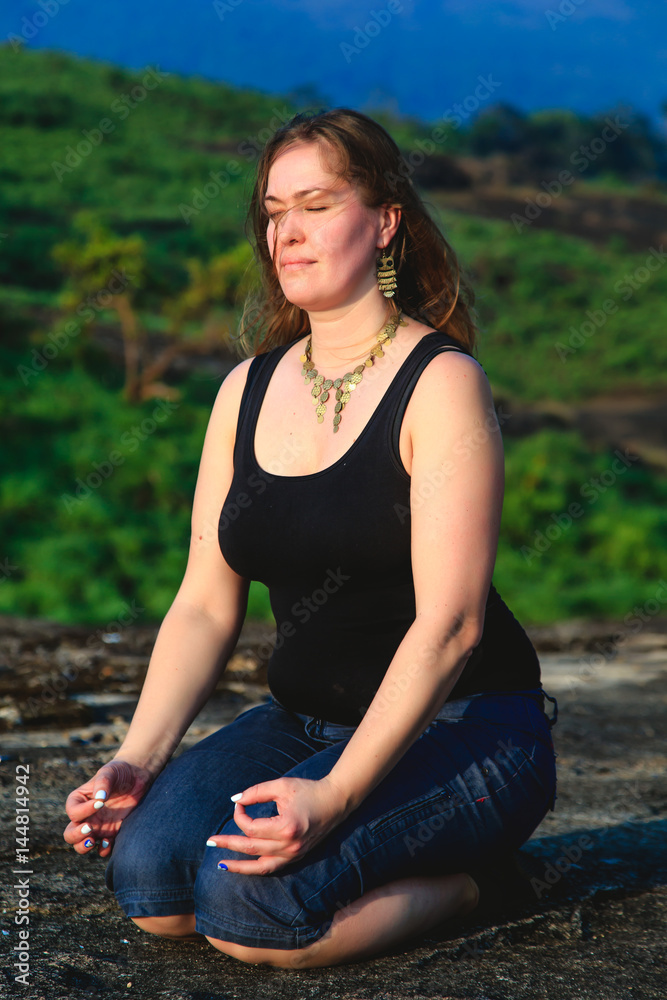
274,215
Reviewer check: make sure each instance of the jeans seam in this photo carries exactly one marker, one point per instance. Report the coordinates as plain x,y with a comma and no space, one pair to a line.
297,937
378,825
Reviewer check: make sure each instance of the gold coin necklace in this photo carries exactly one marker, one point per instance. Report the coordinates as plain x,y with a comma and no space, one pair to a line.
344,386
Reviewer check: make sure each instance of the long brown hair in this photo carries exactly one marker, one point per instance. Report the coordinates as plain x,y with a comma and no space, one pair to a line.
431,285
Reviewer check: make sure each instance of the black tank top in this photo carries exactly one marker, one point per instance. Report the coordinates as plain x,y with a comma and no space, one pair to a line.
333,548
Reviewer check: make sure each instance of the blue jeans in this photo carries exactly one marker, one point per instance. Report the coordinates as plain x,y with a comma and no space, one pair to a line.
474,786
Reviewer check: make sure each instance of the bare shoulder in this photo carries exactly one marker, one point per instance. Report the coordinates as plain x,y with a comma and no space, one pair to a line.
228,400
235,380
451,378
452,364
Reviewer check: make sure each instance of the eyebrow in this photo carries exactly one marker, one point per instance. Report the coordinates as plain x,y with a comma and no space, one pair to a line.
299,194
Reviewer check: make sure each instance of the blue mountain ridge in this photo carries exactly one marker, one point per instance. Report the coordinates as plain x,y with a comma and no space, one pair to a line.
415,57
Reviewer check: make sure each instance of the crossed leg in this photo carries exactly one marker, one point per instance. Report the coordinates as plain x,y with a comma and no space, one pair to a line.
501,802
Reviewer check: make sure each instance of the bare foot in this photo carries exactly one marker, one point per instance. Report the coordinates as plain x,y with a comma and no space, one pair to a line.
471,897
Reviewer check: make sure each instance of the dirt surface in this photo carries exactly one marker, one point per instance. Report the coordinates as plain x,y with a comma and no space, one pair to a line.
583,918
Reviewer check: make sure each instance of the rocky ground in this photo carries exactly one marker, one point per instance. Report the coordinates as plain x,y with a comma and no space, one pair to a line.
585,920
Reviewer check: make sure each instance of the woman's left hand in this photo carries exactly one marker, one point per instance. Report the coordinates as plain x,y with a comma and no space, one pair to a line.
307,811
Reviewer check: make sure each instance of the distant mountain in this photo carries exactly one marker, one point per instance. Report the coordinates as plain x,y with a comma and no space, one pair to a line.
416,57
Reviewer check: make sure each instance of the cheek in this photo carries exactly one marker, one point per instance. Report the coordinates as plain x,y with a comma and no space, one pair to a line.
347,243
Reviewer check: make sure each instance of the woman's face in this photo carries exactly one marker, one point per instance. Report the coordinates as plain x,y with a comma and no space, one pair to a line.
323,240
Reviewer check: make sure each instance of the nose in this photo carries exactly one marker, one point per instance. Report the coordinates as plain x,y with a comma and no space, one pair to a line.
288,229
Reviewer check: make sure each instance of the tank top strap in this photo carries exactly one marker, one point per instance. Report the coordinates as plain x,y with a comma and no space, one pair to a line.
431,344
259,374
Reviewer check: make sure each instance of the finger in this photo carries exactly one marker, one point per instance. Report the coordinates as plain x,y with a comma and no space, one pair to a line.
104,848
262,866
260,826
101,793
246,846
84,846
114,777
72,833
79,804
265,791
78,832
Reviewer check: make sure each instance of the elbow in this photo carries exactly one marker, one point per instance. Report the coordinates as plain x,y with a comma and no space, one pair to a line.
460,636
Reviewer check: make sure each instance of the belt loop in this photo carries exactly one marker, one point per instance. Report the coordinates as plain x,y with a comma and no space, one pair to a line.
554,718
314,726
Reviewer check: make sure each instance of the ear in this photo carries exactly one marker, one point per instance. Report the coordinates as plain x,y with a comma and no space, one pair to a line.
390,218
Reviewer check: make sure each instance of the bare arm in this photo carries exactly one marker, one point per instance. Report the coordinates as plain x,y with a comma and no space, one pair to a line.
195,641
455,531
202,626
189,656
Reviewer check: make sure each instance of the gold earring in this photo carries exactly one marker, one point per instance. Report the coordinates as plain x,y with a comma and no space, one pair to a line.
386,275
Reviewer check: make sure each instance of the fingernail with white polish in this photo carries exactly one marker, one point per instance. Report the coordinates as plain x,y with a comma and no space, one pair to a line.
211,843
88,843
105,843
85,828
235,798
223,866
100,794
98,804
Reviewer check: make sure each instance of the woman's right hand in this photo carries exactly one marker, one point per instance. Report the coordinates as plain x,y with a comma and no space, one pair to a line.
119,786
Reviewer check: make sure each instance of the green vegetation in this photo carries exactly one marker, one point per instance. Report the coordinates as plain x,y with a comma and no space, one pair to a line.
583,535
96,497
141,176
96,492
100,452
560,318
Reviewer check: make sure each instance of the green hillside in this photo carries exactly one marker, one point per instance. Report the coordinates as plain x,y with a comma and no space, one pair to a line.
164,174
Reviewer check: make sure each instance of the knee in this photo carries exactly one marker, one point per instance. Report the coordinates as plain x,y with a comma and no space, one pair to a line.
130,863
138,866
180,925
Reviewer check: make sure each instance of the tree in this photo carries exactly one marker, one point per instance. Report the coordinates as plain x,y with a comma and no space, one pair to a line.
109,269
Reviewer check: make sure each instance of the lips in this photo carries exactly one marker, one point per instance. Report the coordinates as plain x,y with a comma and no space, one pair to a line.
289,265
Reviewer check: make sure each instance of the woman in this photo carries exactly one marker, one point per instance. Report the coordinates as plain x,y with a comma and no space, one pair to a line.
354,465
